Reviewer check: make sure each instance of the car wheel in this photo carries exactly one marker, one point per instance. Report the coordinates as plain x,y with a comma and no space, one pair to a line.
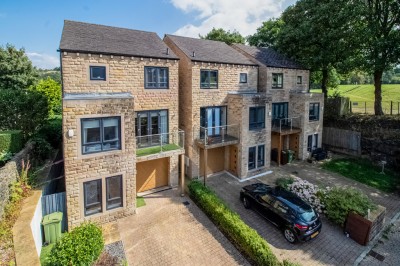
246,203
289,235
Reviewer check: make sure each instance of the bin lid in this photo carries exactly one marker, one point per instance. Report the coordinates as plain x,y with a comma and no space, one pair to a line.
52,218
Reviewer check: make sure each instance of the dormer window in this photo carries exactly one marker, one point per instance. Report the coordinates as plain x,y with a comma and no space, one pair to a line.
98,73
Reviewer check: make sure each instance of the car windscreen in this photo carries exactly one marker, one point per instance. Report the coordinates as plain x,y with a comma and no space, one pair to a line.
308,215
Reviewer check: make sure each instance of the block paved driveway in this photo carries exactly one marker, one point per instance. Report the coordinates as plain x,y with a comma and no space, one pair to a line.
166,232
331,247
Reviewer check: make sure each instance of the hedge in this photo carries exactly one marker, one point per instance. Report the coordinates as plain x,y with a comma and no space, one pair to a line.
11,141
246,239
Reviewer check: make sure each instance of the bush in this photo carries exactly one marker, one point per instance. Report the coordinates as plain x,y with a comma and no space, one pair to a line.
284,182
11,141
242,236
51,89
51,131
340,201
82,246
41,148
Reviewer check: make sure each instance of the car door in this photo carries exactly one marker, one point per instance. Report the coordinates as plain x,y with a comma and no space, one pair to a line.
281,212
265,207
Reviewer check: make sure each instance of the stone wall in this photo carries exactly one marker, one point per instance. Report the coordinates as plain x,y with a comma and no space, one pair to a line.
9,174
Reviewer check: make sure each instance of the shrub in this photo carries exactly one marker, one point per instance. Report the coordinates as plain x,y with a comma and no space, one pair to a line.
284,182
307,192
242,236
5,156
340,201
51,131
41,148
82,246
51,89
11,141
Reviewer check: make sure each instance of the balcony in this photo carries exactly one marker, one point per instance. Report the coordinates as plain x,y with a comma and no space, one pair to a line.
286,126
212,137
158,143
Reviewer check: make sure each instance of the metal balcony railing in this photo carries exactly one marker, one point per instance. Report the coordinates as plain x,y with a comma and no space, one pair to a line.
151,144
217,135
286,124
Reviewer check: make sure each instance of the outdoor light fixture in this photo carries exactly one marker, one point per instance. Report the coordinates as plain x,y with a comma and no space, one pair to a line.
70,133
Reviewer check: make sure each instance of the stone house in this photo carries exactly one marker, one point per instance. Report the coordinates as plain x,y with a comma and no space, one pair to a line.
120,119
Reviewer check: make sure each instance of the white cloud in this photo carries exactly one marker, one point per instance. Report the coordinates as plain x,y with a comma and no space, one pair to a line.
245,16
44,61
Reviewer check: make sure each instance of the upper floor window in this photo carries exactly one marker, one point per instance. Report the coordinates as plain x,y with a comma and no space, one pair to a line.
243,78
277,80
314,112
299,79
208,79
156,77
101,134
256,117
97,73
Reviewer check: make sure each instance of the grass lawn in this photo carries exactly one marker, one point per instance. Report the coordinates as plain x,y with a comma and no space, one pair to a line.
140,202
156,149
364,172
45,252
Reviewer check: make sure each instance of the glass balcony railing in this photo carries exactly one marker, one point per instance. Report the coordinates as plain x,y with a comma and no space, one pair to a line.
217,135
152,144
286,124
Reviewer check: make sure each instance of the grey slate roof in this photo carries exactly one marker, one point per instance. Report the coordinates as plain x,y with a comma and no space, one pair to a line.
209,51
93,38
269,57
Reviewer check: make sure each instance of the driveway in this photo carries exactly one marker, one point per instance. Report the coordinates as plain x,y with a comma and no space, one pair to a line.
168,232
331,247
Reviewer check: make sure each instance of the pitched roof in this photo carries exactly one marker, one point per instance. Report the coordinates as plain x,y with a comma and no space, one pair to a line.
93,38
209,51
269,57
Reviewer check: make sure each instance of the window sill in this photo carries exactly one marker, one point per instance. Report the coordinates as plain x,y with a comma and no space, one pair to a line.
313,121
103,213
99,154
277,88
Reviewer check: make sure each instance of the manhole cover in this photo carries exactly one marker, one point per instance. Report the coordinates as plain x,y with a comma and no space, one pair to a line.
376,255
186,203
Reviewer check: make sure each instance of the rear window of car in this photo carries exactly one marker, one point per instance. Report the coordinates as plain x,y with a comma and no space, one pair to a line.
308,216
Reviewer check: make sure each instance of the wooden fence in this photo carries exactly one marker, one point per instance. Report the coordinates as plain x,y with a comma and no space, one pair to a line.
55,203
340,140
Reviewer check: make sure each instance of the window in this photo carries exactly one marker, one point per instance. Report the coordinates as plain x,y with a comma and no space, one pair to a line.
299,79
277,80
252,158
151,128
314,112
312,143
213,121
261,156
114,192
208,79
97,73
256,157
101,134
256,117
156,77
92,197
243,78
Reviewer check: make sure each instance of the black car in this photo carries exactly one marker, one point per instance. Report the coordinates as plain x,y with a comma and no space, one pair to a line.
296,218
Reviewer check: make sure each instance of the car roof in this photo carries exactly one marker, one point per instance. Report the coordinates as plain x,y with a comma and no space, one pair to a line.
291,199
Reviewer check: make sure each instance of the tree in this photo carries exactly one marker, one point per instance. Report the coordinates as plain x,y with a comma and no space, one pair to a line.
224,36
16,70
267,34
382,41
52,91
321,34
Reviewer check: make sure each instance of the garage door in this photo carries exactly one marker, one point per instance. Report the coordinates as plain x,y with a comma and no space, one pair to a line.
215,160
151,174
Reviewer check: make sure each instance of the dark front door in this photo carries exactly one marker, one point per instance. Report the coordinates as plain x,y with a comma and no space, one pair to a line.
279,112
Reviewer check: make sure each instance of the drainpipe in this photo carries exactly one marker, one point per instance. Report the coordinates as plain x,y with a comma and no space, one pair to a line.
182,158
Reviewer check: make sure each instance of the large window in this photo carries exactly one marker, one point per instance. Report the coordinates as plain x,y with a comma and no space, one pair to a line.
314,112
97,73
312,143
256,117
156,77
208,79
212,120
151,128
101,134
93,194
92,197
256,157
277,80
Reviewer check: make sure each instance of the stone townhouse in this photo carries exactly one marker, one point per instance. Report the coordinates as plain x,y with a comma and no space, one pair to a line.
120,119
296,114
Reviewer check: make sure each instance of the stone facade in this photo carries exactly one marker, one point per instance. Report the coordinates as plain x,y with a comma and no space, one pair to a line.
124,75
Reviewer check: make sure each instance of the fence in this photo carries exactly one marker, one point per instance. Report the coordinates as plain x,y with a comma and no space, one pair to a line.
345,141
55,203
367,107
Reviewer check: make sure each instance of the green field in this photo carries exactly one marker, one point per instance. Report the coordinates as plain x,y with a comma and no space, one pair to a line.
363,96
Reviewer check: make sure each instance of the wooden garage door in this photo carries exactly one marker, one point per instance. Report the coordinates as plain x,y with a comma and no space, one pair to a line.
215,160
151,174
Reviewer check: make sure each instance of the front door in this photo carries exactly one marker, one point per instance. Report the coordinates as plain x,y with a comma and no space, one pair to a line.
279,111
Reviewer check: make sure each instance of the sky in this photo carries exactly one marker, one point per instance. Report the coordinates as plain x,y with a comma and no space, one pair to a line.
36,25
